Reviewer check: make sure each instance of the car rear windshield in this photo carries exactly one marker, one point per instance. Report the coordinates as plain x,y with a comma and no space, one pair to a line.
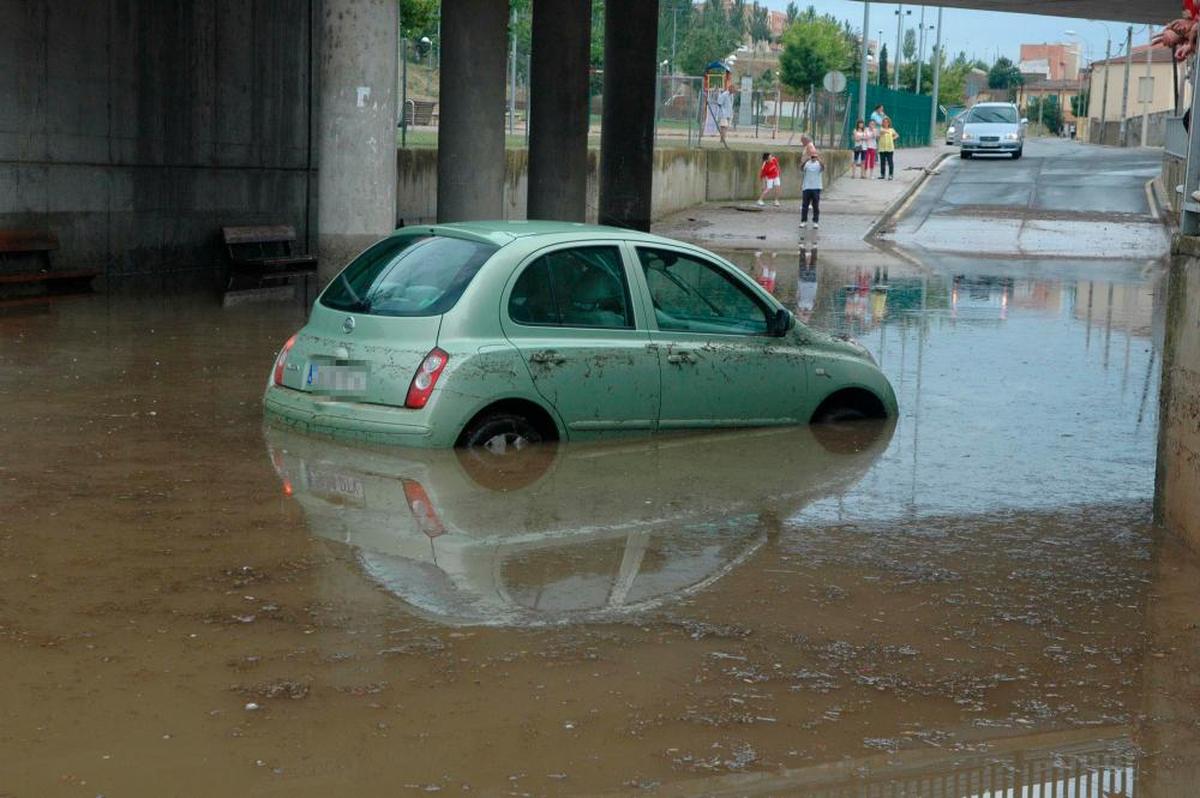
1001,114
408,276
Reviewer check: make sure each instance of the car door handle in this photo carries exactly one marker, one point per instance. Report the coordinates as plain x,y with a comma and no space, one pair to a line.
549,357
680,357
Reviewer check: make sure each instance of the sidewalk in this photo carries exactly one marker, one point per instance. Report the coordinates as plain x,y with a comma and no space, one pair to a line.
849,209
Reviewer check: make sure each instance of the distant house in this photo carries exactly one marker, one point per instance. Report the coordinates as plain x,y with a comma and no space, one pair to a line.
977,83
1035,70
1164,71
1061,59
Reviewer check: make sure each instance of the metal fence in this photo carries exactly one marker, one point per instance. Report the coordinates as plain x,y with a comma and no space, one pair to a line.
910,113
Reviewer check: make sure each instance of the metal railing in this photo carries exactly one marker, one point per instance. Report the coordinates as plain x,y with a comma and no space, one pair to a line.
1176,140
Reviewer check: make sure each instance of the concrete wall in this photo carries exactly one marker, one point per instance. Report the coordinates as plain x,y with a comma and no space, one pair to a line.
1156,131
134,129
682,178
1177,495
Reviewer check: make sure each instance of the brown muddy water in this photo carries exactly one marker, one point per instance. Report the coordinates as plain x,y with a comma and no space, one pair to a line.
969,602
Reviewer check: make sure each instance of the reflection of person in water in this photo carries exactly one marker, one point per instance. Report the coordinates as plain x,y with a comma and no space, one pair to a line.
806,292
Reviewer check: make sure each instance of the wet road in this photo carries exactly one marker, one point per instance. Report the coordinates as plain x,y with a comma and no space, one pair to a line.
1063,199
971,599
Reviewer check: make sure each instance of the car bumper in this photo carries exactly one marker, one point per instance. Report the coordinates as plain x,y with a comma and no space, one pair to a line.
349,420
997,146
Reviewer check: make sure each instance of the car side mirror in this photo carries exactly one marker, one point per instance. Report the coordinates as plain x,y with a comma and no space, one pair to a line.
1024,121
781,322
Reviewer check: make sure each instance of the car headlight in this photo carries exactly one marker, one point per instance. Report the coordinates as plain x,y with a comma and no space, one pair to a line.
966,136
950,129
1012,136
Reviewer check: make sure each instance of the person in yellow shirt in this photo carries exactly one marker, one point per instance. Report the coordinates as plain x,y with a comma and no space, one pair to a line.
887,149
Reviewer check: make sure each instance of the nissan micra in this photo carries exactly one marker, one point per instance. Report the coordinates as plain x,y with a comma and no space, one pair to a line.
500,334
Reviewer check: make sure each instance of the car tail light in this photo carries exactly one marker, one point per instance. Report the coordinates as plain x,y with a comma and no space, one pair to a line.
426,377
422,508
282,359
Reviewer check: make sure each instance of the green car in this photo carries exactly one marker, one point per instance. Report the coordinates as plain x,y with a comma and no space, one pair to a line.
499,334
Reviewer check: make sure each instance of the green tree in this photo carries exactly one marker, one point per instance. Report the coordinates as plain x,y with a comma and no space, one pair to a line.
708,38
760,24
1006,75
419,17
909,48
739,18
1046,112
883,66
793,13
1079,104
812,47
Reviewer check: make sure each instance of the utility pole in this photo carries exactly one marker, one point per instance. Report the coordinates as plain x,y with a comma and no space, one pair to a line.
1125,93
899,25
864,70
512,76
674,29
1147,85
937,78
1104,94
920,51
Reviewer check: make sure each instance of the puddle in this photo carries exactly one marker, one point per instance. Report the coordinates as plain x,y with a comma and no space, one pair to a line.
968,602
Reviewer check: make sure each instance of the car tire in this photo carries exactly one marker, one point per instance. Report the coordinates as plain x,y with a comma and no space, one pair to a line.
966,156
1017,154
839,414
500,433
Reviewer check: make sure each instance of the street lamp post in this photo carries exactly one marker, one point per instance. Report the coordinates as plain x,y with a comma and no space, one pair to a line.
921,51
900,15
1146,86
1125,92
937,77
863,70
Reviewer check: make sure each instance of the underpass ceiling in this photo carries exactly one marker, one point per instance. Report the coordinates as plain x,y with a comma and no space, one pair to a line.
1156,11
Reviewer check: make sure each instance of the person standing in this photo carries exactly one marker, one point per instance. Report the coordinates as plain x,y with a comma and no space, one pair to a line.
769,174
870,144
810,187
887,149
878,115
860,150
724,113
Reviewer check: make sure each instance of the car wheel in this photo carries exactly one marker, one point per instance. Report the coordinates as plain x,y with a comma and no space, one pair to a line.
499,434
839,413
1017,154
966,156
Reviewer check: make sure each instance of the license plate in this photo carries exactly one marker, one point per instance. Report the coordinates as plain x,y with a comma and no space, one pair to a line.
333,483
336,379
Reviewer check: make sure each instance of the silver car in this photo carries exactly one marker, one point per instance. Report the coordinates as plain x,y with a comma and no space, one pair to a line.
992,128
954,128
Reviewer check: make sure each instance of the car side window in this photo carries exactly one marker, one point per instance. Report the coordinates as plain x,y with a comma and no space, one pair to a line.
693,295
576,287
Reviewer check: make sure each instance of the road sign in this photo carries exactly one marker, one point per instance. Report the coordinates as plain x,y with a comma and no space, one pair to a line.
834,82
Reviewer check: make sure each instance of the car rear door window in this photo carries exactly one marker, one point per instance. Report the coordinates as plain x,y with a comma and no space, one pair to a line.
692,295
417,275
576,287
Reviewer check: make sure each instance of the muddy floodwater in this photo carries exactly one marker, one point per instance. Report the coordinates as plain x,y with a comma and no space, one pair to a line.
969,601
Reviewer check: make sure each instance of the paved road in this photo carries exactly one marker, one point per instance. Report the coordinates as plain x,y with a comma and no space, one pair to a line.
1062,199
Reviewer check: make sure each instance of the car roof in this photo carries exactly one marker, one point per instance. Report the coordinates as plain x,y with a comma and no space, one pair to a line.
502,232
985,105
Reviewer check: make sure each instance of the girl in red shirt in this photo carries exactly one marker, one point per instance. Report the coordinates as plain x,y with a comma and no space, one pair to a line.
769,174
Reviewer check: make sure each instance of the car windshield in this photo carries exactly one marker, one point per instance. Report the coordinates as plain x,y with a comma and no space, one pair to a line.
418,275
1002,114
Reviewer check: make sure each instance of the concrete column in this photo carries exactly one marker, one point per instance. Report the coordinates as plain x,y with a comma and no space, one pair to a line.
356,184
627,136
558,132
471,125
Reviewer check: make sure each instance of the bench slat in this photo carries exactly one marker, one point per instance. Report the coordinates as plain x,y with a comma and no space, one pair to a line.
261,234
27,241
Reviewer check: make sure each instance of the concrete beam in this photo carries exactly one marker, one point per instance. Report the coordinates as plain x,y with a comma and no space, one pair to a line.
1158,12
471,127
627,135
558,134
357,127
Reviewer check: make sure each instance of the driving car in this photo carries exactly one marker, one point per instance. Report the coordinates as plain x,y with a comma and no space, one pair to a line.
500,334
992,128
953,129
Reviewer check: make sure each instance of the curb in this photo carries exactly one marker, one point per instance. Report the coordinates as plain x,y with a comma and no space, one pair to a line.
894,209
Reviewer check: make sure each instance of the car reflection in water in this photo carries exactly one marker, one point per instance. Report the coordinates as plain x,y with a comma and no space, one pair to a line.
556,534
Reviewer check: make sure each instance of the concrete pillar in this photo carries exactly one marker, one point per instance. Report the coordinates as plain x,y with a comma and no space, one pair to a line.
471,96
356,184
558,133
627,136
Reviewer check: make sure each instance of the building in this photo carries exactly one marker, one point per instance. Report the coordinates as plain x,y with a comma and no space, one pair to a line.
1164,71
1057,61
1061,90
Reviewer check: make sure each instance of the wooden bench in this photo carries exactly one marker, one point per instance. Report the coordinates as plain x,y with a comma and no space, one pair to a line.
419,112
263,256
25,266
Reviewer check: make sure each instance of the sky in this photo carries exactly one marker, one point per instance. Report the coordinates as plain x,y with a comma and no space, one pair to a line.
980,33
